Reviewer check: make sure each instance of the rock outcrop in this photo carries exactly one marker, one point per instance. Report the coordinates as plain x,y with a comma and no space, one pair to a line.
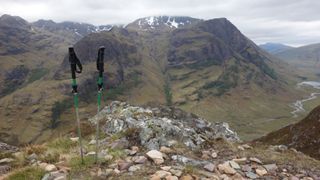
163,126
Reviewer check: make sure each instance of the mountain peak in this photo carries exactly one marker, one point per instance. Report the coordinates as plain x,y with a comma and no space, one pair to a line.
12,21
162,22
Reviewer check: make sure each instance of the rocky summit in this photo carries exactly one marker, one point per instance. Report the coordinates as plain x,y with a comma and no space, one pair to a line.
162,126
155,143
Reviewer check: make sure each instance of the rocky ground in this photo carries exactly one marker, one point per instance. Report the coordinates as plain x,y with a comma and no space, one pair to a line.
156,143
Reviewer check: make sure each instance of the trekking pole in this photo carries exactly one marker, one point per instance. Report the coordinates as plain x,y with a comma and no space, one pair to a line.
100,68
74,63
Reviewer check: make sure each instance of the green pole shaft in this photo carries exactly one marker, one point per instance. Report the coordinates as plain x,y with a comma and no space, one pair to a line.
76,105
97,126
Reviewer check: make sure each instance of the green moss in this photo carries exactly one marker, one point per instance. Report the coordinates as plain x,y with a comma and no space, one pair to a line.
28,173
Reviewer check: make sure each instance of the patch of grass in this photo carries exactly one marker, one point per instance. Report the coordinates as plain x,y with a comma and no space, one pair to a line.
113,93
50,157
37,149
189,169
37,74
117,153
76,164
63,144
27,173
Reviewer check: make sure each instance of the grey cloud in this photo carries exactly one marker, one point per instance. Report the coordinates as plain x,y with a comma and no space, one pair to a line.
293,22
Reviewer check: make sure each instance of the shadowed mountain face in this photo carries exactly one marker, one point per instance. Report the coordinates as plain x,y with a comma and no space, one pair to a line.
274,48
206,67
303,136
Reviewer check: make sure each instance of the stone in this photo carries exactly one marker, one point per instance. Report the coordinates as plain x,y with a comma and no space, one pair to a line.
50,168
246,168
256,160
234,165
134,168
155,177
176,172
165,168
116,171
186,177
209,167
214,155
251,175
6,160
261,171
108,157
237,176
240,160
270,167
92,142
33,156
74,139
241,148
163,174
246,146
139,159
108,172
294,178
91,153
156,156
225,168
186,160
124,165
172,177
60,178
166,150
43,165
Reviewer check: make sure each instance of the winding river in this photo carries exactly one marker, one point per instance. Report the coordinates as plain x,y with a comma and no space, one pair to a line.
298,105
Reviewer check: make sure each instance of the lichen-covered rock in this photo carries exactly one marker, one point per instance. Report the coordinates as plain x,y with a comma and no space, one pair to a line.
160,126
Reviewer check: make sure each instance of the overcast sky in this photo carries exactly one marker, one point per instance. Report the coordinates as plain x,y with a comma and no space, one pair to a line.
292,22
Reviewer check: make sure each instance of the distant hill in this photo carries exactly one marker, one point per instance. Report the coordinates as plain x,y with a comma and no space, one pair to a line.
275,48
306,58
303,136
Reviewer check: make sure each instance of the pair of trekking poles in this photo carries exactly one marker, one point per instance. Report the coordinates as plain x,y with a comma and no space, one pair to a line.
76,67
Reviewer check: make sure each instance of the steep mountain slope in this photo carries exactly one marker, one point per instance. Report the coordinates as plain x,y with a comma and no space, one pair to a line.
26,52
275,48
303,136
305,58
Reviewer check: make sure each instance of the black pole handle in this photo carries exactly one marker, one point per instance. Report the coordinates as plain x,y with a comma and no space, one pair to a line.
76,67
100,66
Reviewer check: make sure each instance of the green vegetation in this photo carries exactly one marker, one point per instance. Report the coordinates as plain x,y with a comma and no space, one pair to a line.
27,173
203,64
37,74
63,144
226,81
113,93
57,109
117,153
77,166
14,79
